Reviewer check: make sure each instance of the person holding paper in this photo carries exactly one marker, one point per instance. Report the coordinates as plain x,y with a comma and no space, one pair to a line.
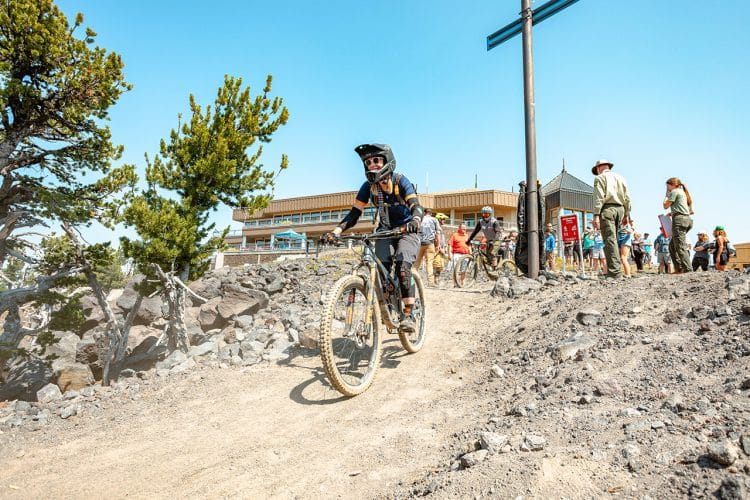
680,204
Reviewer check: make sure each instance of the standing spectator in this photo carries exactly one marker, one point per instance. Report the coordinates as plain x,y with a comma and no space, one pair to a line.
577,255
663,258
588,245
721,252
549,249
597,254
680,203
625,244
611,210
442,247
638,251
429,230
568,253
647,249
701,247
457,248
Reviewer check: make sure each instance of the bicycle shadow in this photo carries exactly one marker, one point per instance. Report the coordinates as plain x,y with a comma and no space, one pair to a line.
318,391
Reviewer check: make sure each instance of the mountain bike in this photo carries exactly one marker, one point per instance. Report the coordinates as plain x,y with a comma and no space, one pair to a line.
466,270
354,310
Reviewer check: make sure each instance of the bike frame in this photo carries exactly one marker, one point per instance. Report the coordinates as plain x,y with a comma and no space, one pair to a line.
376,275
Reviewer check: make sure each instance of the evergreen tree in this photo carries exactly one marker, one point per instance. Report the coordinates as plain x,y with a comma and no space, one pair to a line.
207,162
55,151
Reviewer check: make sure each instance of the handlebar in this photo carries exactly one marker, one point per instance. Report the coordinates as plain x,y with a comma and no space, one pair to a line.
380,235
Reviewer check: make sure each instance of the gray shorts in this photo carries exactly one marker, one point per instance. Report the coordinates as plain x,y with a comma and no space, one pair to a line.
663,258
402,249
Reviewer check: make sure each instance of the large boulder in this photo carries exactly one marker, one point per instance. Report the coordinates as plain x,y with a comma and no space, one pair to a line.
238,301
140,332
127,299
65,347
208,288
92,313
25,378
72,376
208,315
87,351
149,311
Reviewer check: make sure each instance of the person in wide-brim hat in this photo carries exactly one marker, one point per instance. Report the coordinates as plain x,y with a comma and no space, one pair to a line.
594,169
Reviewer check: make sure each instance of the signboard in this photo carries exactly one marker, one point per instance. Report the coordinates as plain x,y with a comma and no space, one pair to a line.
665,222
569,227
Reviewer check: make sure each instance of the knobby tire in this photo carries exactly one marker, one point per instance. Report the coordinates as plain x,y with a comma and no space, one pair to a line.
349,348
414,341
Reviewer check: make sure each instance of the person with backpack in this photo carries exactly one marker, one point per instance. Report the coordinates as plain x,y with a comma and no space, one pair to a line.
397,205
680,204
493,232
721,249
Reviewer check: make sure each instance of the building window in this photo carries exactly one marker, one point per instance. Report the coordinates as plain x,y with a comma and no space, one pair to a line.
469,219
325,216
369,213
295,218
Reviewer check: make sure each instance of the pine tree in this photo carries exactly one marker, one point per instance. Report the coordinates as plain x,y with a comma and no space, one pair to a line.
207,162
56,152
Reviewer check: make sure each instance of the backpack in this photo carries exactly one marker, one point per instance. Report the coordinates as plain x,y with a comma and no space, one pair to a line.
731,250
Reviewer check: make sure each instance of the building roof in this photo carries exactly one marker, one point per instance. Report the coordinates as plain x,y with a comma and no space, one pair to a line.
566,182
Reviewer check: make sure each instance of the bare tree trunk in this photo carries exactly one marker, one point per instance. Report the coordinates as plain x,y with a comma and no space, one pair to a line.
175,329
117,334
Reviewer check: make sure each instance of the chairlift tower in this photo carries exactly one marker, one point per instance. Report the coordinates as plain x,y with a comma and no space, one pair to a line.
523,25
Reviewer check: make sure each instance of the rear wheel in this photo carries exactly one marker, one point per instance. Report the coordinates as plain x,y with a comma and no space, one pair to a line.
465,272
349,340
413,341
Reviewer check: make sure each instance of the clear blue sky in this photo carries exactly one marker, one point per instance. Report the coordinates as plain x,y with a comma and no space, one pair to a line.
658,88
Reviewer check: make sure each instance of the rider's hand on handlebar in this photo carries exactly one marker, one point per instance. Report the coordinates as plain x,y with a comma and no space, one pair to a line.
412,226
329,238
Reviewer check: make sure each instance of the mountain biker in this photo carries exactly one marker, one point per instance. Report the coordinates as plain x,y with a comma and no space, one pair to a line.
492,230
397,205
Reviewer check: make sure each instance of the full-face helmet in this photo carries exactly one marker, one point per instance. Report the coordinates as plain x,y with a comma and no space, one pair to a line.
487,212
378,161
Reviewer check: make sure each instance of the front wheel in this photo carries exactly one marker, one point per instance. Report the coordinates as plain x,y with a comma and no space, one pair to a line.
465,272
509,268
413,341
349,339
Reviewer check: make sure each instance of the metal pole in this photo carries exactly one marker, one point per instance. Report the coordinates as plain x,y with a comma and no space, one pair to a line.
531,182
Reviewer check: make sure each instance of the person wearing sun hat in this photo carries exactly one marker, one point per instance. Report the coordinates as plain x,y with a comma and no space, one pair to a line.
701,247
611,210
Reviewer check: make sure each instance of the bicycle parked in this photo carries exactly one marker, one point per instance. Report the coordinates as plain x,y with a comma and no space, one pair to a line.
355,308
466,270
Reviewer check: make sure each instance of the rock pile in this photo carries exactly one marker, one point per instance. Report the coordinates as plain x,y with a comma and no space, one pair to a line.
650,376
253,314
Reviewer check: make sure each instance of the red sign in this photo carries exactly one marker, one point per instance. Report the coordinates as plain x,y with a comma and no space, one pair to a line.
569,225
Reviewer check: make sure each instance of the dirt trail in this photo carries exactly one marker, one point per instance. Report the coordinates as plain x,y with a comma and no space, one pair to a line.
266,432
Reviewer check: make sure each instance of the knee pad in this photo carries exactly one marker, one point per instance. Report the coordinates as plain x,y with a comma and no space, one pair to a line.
404,278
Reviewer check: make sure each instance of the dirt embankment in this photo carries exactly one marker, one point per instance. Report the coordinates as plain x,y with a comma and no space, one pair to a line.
652,400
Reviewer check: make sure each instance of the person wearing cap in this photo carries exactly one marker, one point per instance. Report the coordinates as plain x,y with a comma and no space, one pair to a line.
611,210
701,247
680,205
429,245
